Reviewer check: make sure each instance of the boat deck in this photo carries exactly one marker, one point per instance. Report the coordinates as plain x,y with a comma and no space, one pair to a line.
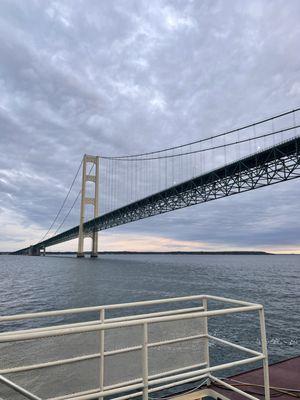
283,374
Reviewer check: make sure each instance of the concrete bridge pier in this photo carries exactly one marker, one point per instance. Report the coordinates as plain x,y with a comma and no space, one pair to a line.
94,253
34,251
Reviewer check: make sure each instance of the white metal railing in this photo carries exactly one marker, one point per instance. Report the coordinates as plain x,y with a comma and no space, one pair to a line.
194,334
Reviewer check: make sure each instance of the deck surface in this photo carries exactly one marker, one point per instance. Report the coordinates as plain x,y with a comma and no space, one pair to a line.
284,374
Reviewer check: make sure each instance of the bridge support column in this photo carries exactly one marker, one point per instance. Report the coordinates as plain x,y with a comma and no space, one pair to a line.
34,251
87,177
94,252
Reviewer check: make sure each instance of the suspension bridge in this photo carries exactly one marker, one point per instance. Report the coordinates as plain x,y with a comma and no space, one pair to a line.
143,185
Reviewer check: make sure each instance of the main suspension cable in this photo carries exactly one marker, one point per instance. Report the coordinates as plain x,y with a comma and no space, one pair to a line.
68,213
209,138
71,208
207,148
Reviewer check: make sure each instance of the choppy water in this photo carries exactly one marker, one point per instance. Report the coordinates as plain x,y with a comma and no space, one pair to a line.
47,283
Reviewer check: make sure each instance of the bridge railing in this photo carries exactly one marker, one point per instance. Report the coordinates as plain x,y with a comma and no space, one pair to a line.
121,356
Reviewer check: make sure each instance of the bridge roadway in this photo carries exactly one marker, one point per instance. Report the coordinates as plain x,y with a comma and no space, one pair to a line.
273,165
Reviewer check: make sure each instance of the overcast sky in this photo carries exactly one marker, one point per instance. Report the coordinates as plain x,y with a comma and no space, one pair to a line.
114,77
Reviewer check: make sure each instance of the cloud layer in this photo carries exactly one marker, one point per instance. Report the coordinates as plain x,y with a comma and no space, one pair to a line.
120,77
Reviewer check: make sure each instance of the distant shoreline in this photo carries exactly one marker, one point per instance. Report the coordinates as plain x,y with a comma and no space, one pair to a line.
160,252
175,252
87,253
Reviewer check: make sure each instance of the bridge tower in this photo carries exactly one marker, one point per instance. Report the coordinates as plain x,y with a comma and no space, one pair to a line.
94,201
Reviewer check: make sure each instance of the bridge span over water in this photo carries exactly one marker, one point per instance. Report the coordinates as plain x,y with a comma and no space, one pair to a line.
276,160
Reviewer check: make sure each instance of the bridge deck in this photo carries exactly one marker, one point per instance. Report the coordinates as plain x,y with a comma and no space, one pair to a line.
273,165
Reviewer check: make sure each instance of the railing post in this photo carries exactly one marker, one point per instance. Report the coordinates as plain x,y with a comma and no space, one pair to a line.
145,361
265,353
102,349
206,350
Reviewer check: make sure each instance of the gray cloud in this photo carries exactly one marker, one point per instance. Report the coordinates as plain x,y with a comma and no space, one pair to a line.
123,77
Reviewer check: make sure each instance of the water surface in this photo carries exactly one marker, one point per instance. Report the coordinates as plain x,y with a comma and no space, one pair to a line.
47,283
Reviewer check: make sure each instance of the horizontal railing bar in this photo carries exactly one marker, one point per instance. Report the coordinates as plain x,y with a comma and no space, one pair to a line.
157,388
49,364
127,396
236,363
74,395
182,382
236,346
93,395
155,314
124,350
232,301
151,302
133,381
18,389
108,320
96,308
111,392
220,382
162,374
52,327
99,327
121,384
208,370
68,360
177,340
53,313
116,306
